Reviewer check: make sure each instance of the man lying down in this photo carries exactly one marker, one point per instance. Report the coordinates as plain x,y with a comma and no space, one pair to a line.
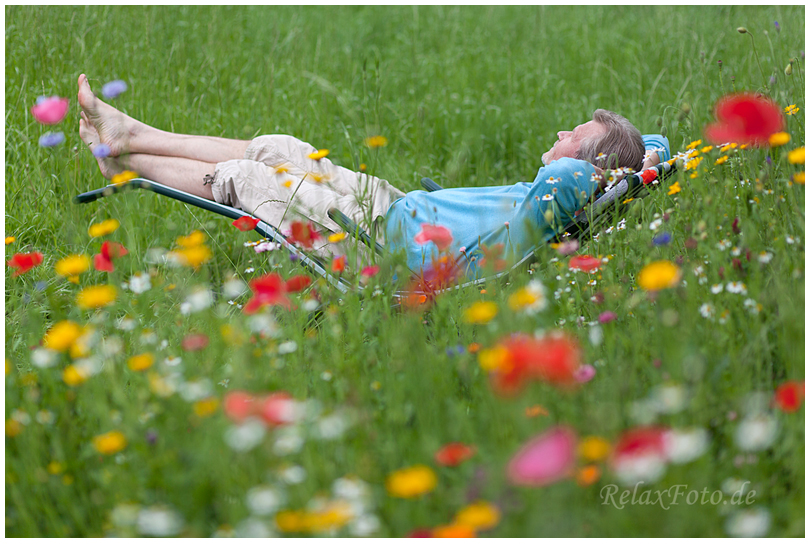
281,179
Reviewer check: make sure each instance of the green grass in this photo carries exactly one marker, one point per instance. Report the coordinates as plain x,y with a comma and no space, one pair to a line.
469,97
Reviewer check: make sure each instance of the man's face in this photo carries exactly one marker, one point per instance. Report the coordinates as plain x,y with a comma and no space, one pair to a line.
569,141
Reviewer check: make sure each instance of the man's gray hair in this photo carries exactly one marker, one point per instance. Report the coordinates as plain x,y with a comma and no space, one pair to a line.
620,146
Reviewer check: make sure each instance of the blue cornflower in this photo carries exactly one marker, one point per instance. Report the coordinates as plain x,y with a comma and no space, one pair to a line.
113,89
777,26
662,239
51,139
101,151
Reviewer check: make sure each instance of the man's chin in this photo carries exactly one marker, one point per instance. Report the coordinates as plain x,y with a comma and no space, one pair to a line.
546,158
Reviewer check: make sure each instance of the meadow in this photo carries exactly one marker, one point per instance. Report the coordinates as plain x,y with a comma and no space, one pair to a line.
156,406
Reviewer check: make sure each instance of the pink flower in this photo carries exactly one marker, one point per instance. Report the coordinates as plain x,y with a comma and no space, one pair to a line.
437,234
565,248
51,110
545,459
370,271
584,374
607,317
194,342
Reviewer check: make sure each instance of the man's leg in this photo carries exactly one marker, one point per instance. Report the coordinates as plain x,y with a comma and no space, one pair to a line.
127,135
184,174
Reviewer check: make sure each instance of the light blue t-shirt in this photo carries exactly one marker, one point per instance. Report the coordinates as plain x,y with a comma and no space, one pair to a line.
513,215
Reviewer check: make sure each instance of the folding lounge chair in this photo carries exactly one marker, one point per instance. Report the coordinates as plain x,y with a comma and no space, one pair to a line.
606,204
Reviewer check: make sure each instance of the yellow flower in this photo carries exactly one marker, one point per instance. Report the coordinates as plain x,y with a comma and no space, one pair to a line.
792,109
282,170
673,189
493,358
376,141
799,178
13,428
62,335
411,482
694,144
689,165
287,184
104,228
74,376
55,467
124,177
481,312
194,239
779,138
8,367
291,521
521,299
141,362
318,178
337,237
797,156
81,347
706,149
659,275
72,266
727,147
594,448
193,256
363,167
627,200
206,407
318,155
10,240
110,443
479,516
95,296
722,159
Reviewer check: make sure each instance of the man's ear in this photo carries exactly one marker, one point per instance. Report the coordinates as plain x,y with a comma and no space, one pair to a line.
653,160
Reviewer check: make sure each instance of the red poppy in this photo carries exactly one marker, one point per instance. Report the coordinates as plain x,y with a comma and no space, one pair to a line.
339,264
454,454
102,263
109,250
238,405
297,283
303,234
276,409
441,274
554,359
194,342
585,263
745,119
245,223
24,262
269,289
437,234
113,250
493,255
789,396
640,441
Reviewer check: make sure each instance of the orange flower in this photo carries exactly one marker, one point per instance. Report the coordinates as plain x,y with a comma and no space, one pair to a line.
454,531
339,264
479,516
588,475
453,454
535,411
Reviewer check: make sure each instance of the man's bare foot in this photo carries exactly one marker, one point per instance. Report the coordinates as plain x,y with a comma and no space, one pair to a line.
109,166
113,127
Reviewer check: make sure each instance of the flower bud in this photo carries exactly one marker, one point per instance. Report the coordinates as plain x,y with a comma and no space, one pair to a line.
788,69
742,30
